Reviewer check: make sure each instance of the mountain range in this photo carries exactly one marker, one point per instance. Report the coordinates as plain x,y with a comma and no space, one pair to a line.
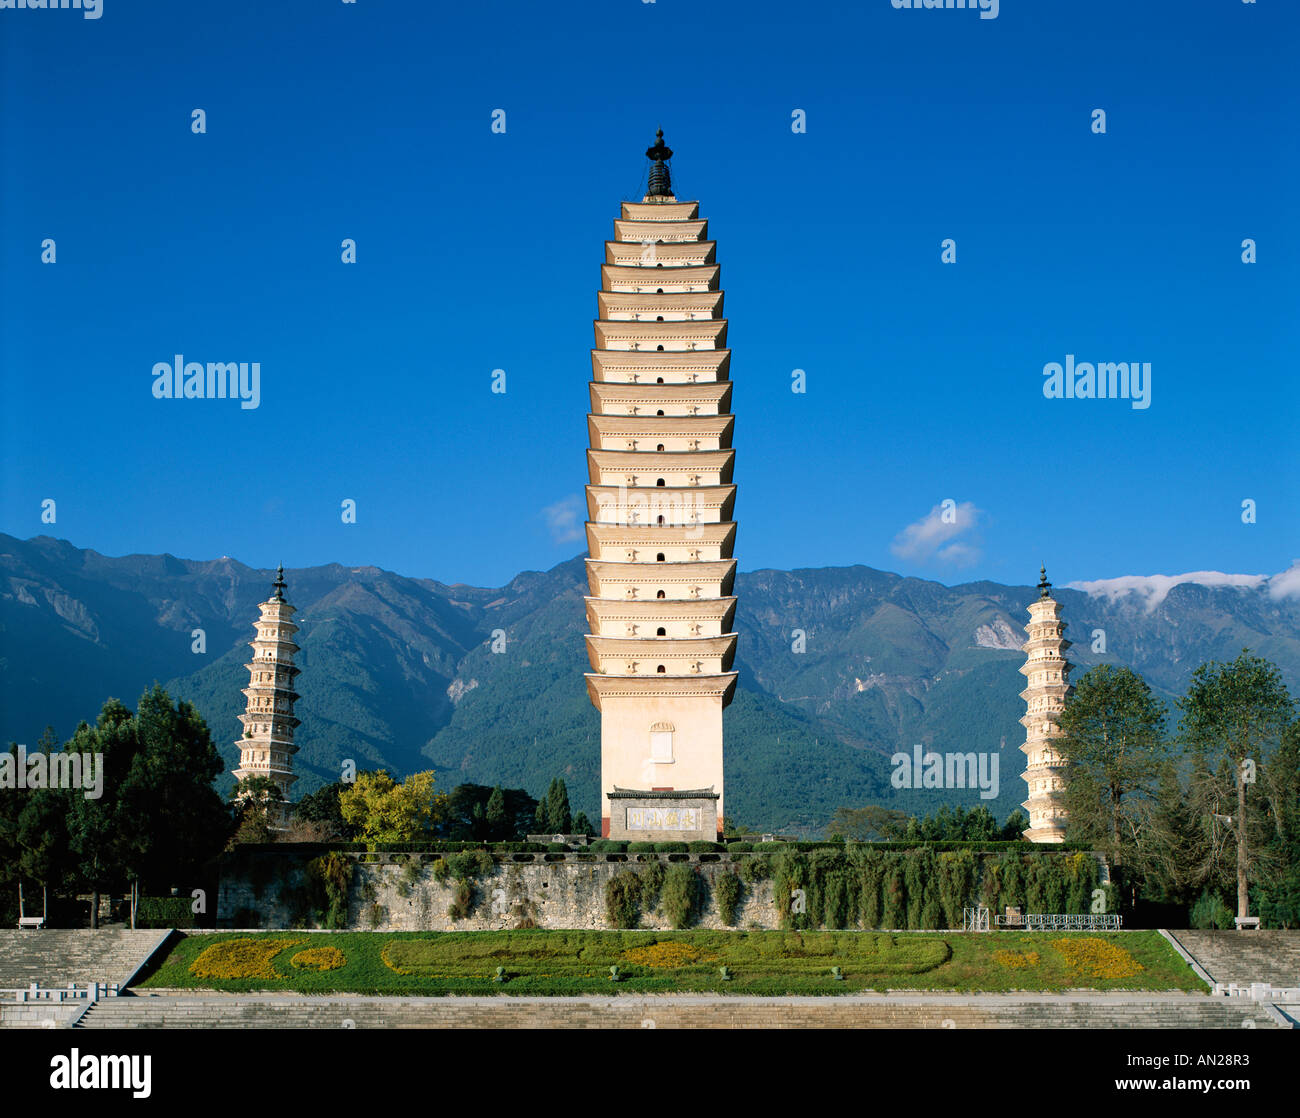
400,672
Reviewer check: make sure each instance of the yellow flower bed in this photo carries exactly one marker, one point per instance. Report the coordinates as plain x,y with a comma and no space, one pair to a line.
1097,958
240,958
667,954
1016,960
319,958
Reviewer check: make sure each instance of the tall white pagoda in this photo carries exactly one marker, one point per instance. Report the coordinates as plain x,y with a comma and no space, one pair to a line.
267,747
1048,687
660,531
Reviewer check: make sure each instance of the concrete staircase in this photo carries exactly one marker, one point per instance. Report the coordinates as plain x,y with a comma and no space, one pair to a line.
55,957
874,1011
1245,957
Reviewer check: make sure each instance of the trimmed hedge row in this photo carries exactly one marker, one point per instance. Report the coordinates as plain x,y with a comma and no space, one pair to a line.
164,912
611,846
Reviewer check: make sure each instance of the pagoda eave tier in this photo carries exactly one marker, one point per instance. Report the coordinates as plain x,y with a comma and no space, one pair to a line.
722,610
610,427
648,397
629,277
668,210
660,338
647,462
721,571
721,534
656,501
647,306
660,257
660,649
676,364
658,229
613,687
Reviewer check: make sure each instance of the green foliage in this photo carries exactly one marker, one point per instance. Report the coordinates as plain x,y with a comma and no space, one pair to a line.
1113,736
753,870
727,889
462,900
652,883
553,814
327,880
469,864
164,912
381,810
1210,912
1235,715
623,900
680,895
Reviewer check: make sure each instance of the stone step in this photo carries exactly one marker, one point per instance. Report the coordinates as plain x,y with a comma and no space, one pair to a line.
1271,956
57,957
989,1011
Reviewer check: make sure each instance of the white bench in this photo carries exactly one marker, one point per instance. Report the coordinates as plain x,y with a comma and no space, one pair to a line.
31,922
1244,922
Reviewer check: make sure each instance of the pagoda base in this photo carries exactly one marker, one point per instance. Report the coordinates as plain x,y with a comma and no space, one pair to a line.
640,815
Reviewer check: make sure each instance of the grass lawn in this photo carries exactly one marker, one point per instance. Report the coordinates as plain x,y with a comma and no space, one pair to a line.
573,962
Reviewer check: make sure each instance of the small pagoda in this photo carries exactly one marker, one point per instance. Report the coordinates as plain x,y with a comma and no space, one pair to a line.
1048,687
266,748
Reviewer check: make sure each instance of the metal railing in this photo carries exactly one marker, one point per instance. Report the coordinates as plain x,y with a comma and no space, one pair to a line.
1061,922
36,993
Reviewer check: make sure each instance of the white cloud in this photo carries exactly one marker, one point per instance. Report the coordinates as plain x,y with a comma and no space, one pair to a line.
1286,584
1155,588
934,538
563,519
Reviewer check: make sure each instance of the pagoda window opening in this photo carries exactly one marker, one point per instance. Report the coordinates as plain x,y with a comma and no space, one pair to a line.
659,318
661,632
659,380
659,483
659,558
661,521
659,348
660,447
661,670
660,412
661,594
660,291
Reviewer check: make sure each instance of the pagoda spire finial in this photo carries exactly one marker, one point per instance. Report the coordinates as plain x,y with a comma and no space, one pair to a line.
660,185
279,582
1044,587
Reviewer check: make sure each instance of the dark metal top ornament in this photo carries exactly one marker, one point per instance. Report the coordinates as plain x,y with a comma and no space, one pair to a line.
279,582
1044,587
660,184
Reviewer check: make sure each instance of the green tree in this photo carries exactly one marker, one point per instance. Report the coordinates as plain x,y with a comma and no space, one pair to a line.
176,818
1234,716
322,807
1015,826
553,812
495,814
582,825
869,823
254,800
1172,851
384,811
1112,736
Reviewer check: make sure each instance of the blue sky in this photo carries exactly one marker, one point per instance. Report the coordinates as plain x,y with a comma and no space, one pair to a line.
480,251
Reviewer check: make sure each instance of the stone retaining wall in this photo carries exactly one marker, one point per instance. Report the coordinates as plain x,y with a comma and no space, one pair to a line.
523,890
